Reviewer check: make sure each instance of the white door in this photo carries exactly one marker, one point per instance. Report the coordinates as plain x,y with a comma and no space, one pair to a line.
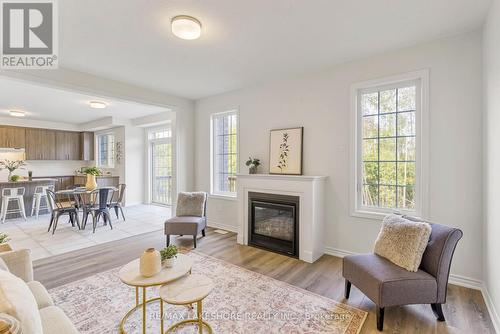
161,169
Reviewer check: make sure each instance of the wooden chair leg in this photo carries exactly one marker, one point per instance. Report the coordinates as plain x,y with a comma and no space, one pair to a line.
347,290
438,311
194,240
380,318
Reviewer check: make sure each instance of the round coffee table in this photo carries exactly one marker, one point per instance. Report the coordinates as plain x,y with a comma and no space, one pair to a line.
131,276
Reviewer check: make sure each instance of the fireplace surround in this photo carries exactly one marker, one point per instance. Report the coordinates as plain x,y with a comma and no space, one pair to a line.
308,190
273,222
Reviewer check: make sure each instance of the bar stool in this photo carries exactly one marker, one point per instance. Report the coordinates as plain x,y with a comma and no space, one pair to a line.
186,291
40,193
12,194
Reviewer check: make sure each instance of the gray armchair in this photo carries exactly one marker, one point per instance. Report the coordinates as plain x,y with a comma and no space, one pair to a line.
389,285
191,216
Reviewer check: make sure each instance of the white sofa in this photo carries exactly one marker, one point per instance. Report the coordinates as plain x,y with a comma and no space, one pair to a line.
53,319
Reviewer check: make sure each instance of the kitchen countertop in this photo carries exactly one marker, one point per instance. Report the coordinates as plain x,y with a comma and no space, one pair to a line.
29,181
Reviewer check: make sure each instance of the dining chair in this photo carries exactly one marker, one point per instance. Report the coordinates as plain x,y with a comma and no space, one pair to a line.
60,206
116,201
97,205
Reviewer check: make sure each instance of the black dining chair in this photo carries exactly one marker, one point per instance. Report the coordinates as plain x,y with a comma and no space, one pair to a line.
97,204
117,200
62,204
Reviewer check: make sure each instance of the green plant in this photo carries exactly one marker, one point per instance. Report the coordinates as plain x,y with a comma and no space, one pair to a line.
253,162
15,178
11,166
168,252
3,238
92,171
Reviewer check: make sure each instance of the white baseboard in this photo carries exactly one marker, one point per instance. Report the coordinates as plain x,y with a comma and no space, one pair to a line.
225,227
495,319
459,280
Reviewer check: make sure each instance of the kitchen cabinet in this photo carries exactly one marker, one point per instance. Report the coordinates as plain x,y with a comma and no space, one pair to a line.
87,146
40,144
12,137
68,145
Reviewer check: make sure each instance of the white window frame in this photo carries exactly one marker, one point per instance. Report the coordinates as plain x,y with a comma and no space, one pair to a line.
213,192
149,162
421,143
98,151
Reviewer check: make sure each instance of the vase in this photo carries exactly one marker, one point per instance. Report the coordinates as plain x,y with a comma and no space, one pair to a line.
150,262
169,263
252,170
91,182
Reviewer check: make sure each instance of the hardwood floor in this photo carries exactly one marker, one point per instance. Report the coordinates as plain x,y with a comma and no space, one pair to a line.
465,309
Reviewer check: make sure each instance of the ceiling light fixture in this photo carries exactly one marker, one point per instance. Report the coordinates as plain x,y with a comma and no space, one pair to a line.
186,27
17,113
97,105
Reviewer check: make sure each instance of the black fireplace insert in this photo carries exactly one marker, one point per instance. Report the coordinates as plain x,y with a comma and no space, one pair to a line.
273,222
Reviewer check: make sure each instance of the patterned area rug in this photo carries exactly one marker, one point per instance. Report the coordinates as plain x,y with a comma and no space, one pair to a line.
242,302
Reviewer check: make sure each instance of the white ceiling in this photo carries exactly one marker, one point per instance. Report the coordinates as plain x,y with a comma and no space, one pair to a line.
245,41
50,104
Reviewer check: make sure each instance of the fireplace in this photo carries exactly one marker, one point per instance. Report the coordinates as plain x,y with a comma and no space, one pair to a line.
273,222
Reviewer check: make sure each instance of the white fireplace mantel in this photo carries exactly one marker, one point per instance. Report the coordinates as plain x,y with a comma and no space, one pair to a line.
310,190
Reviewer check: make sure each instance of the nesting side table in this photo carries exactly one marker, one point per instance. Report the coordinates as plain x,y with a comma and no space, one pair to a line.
131,276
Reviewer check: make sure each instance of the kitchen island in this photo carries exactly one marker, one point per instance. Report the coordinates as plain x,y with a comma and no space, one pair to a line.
29,186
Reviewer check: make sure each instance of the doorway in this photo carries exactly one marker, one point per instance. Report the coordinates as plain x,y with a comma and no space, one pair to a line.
160,148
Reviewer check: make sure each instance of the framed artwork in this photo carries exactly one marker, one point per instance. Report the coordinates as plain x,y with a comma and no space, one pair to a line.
285,151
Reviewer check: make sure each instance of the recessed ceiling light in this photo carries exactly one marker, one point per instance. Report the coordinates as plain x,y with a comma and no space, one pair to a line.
17,113
186,27
97,105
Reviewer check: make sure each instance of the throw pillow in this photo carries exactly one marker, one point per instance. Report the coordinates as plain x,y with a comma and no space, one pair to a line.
191,204
17,300
402,241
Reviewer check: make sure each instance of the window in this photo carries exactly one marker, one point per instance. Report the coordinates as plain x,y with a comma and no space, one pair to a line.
224,153
106,150
388,148
160,162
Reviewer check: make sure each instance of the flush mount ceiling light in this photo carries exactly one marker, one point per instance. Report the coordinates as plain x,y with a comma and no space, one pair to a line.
97,105
186,27
17,113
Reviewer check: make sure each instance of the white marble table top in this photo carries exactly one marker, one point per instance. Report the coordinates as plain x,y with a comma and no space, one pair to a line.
130,274
187,290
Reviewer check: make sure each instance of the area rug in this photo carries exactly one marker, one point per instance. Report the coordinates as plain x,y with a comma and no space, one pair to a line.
241,302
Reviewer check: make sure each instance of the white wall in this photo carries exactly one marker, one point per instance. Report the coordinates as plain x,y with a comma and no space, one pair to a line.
321,103
492,159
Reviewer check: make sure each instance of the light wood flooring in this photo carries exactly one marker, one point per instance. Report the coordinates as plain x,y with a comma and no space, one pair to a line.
465,309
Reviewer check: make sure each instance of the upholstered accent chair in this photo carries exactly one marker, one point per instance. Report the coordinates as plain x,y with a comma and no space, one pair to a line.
389,285
191,216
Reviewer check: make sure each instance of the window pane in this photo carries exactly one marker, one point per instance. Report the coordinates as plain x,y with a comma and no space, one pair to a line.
406,149
370,173
387,125
387,196
406,124
388,101
225,150
406,198
406,173
388,149
370,150
370,127
369,103
406,98
370,195
388,173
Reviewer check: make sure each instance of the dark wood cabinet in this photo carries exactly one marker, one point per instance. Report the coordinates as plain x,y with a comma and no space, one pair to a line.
68,145
87,146
46,144
12,137
40,144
